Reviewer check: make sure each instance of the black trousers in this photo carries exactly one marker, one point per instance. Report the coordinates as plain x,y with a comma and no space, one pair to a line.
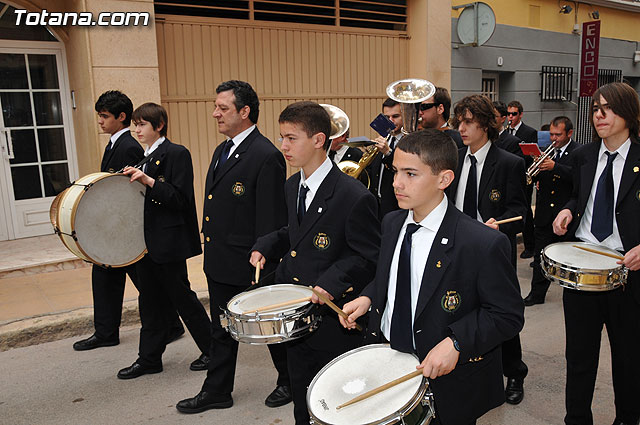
584,314
165,288
223,350
108,294
544,236
527,231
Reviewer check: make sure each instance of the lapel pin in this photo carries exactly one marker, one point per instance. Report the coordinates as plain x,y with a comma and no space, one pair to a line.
444,241
438,264
636,169
319,209
237,156
157,162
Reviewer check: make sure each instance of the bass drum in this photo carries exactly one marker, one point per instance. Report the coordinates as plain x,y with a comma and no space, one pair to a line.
100,219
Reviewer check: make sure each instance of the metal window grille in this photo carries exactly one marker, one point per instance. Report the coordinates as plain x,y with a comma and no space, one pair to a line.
556,83
490,88
378,14
583,132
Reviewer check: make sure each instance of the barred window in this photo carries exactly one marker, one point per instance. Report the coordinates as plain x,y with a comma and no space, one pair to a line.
490,87
557,84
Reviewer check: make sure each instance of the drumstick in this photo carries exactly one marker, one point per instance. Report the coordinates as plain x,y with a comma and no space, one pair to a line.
381,388
334,307
257,272
282,304
595,251
508,220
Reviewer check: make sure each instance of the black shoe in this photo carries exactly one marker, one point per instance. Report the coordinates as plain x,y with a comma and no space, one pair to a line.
279,397
201,363
136,370
175,334
515,390
533,300
94,342
526,254
532,264
204,401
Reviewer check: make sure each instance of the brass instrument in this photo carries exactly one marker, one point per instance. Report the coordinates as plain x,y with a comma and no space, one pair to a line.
339,120
409,93
534,168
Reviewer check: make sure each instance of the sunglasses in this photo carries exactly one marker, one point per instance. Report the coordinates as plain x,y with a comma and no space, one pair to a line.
513,113
425,106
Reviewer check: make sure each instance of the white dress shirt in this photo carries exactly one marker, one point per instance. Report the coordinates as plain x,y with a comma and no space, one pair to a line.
239,139
393,141
421,242
314,181
340,153
114,136
584,228
481,156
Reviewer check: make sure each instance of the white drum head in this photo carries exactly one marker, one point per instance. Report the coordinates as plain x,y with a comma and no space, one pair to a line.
565,253
357,372
109,221
274,294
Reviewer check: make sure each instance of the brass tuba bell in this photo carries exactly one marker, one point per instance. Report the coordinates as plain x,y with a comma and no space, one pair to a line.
410,93
339,120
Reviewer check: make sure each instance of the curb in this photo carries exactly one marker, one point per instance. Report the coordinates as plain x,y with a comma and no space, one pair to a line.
56,326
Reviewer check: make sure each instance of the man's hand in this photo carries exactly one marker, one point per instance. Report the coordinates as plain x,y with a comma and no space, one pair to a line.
381,144
316,300
354,309
561,222
632,259
547,164
137,174
441,360
490,223
257,259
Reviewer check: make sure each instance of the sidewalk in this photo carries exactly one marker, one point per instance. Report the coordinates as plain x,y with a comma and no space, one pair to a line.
45,292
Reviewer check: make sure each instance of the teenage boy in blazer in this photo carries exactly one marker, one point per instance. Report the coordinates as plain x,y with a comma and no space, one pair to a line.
243,200
171,236
604,210
114,110
331,241
499,184
461,298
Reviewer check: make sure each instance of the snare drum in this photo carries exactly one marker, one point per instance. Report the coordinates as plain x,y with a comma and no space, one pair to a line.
574,268
275,325
100,218
362,370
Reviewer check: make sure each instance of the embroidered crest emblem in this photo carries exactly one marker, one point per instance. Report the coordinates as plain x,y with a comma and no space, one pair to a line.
451,301
494,196
321,241
237,189
161,179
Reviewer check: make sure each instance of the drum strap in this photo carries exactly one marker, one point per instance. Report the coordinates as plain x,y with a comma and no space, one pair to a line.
139,165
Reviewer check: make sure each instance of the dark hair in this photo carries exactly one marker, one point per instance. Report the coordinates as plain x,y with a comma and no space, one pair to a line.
545,127
153,113
441,97
389,103
312,117
623,101
500,107
434,147
115,103
245,96
568,125
516,104
482,111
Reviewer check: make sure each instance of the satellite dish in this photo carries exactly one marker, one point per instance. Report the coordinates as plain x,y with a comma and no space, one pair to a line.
476,24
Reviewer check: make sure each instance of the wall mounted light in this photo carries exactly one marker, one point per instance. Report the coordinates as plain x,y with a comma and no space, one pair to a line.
565,9
595,15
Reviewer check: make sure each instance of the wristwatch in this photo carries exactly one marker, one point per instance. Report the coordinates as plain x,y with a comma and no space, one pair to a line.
455,342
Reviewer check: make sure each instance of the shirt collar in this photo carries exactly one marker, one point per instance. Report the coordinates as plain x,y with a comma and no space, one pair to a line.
517,126
342,150
242,135
622,151
434,219
117,134
153,147
481,154
314,181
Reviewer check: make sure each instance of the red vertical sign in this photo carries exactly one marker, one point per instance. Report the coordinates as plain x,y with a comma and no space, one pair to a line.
589,58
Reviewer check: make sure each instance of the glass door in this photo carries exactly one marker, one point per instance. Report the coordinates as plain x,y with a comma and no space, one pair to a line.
35,163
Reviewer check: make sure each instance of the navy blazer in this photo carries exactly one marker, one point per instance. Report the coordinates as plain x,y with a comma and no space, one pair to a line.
335,247
470,289
242,201
170,219
509,143
125,151
527,134
501,188
627,208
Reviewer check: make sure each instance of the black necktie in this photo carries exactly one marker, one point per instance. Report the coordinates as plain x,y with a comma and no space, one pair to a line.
602,219
302,197
332,155
225,153
401,322
470,206
558,154
512,131
392,142
108,148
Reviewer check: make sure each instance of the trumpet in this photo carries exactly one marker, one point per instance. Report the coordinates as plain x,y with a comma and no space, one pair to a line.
534,168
